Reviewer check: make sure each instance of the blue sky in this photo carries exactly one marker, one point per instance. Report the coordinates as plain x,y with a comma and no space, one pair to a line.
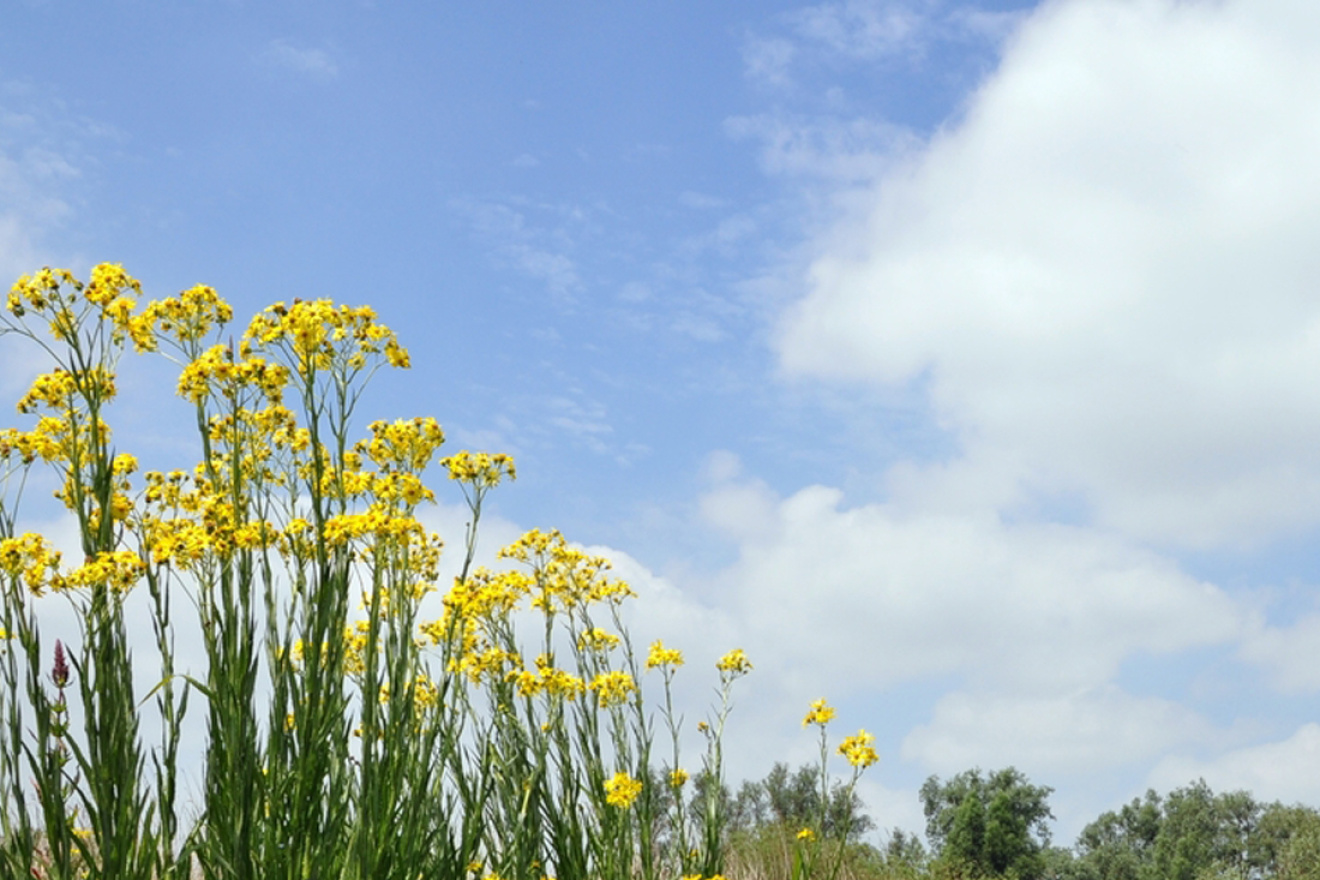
954,359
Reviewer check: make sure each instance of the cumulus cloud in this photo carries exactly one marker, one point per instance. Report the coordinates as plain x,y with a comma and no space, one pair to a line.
1289,655
1096,729
1034,606
1104,273
1287,770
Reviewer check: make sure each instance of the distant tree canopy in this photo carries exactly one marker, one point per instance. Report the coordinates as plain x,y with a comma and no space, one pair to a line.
793,799
983,825
989,824
1194,834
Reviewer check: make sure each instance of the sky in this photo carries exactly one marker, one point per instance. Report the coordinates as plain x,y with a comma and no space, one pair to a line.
956,360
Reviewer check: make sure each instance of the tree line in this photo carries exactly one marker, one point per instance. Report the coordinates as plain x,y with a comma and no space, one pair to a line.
997,824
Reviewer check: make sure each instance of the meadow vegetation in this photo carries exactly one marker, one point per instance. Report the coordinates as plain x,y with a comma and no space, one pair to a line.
347,733
352,728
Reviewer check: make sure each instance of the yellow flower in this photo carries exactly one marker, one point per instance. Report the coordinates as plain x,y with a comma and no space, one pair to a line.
857,749
481,469
807,835
663,657
612,688
735,663
678,778
622,790
596,639
820,714
117,569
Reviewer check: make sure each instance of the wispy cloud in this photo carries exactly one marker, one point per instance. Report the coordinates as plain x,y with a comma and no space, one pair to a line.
314,64
823,147
536,248
863,29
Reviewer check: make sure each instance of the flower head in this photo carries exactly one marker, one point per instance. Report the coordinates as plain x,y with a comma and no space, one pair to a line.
621,790
663,657
735,663
858,750
821,713
59,672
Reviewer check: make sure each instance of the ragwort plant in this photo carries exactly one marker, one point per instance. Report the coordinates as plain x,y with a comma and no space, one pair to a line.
347,735
860,753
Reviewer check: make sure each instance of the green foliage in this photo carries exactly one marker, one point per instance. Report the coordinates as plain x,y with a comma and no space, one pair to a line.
1194,834
793,799
988,825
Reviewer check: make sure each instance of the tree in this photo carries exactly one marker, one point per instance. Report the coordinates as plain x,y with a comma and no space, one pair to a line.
792,799
1191,834
992,824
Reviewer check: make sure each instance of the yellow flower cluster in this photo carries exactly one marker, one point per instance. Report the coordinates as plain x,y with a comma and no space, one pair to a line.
487,595
38,292
403,445
490,663
55,390
186,318
734,663
480,469
28,445
612,688
376,523
566,577
548,679
33,559
596,639
660,656
215,372
820,713
621,790
108,283
111,291
118,570
400,490
321,336
678,778
176,542
858,750
185,523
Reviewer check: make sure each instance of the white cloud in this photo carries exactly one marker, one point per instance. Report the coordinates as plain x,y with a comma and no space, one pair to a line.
864,29
536,249
1105,272
767,60
1092,730
315,64
833,149
891,809
1290,655
1033,608
1288,770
